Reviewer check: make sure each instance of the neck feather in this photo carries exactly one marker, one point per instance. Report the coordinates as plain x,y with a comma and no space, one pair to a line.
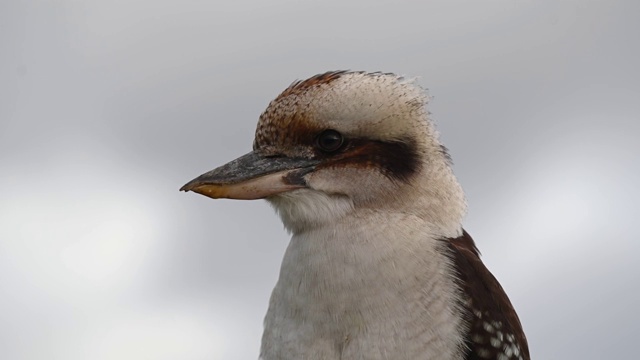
369,277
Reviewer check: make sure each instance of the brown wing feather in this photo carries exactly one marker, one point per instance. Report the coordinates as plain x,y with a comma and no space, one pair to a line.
494,329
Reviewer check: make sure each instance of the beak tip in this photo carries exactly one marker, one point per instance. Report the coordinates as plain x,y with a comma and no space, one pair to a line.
186,187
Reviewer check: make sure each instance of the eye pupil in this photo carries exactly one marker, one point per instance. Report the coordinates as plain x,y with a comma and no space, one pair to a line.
330,140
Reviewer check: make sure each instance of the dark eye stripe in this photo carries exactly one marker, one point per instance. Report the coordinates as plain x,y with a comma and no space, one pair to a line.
398,160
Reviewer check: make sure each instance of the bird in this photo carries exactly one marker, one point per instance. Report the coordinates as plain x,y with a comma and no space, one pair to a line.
379,265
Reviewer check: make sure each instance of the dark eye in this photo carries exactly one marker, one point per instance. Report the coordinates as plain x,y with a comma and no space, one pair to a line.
329,140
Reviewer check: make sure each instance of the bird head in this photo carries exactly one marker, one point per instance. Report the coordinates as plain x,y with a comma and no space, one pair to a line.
340,142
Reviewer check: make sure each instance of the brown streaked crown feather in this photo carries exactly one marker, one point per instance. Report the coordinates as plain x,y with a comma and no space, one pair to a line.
300,86
494,329
285,122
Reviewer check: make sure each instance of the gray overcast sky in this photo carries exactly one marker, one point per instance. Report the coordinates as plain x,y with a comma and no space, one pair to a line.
108,107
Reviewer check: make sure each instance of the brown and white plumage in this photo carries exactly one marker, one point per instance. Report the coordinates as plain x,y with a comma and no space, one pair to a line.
378,266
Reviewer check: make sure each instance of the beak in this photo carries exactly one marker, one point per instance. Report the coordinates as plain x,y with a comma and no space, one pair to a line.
253,176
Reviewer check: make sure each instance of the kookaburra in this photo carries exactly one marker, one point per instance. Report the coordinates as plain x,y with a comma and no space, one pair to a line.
378,266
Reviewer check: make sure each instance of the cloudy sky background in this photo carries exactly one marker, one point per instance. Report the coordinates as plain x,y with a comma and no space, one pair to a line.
108,107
